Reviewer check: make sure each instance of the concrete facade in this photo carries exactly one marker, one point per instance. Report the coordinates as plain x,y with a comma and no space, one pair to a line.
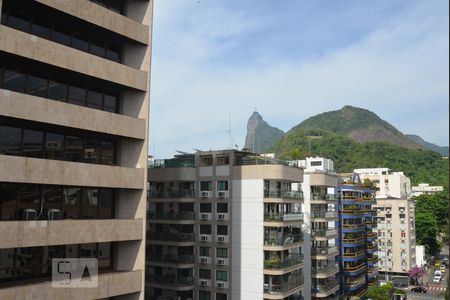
128,35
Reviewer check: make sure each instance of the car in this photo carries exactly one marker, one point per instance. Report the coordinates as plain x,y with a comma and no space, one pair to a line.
437,278
419,289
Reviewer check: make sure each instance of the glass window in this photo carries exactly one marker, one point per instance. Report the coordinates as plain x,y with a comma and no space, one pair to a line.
95,99
222,252
61,34
104,255
114,52
37,85
222,185
33,143
10,140
53,199
88,250
30,199
222,207
80,41
13,80
74,148
54,146
6,265
116,5
205,229
110,103
221,296
204,273
19,19
41,27
57,90
204,295
106,204
205,251
221,275
45,260
205,185
9,198
26,261
98,47
89,203
92,151
222,229
77,94
71,204
205,207
107,153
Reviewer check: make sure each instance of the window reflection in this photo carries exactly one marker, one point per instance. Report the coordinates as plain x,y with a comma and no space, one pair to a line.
10,140
9,199
95,98
13,80
89,204
54,146
33,143
77,94
74,148
37,85
71,204
57,90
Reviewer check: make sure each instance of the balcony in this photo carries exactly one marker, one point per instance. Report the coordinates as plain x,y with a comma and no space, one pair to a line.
324,290
325,251
283,240
324,215
353,254
283,289
284,194
355,270
171,237
171,282
324,233
172,195
285,262
171,217
160,259
283,217
324,271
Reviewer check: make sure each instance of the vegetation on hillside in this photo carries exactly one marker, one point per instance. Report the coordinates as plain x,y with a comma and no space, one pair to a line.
419,165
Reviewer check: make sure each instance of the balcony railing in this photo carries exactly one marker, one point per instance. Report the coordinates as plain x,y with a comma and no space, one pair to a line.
324,250
324,214
325,269
181,215
172,163
171,236
280,288
172,258
292,216
283,263
325,288
324,232
283,240
260,160
172,194
284,194
170,279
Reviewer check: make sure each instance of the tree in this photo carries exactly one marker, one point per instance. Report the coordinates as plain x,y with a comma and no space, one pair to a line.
415,274
380,292
427,230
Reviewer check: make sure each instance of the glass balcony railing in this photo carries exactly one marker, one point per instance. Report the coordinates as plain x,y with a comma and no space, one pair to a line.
172,194
324,232
292,216
172,258
283,263
181,215
284,194
283,240
325,269
172,163
324,250
281,288
171,279
325,288
171,236
324,214
323,196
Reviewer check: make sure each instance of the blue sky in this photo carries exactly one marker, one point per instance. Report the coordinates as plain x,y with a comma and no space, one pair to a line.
291,59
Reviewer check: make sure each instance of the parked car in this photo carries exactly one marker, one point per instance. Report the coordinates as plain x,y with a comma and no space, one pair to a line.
419,289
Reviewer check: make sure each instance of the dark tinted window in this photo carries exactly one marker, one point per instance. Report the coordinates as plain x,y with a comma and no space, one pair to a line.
61,34
37,85
19,19
71,203
74,148
57,91
41,27
113,52
95,98
89,204
80,40
53,199
98,47
107,153
33,143
6,265
110,103
9,197
13,80
116,5
54,146
30,199
222,229
106,204
104,255
205,229
77,94
10,140
92,151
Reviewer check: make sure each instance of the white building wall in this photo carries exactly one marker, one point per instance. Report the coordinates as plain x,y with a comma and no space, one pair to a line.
247,278
306,208
420,255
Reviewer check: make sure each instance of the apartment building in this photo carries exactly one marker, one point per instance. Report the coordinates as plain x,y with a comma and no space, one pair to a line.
395,220
74,99
224,225
357,240
320,213
426,188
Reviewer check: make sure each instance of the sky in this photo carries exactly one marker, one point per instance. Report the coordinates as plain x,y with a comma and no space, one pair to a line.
216,61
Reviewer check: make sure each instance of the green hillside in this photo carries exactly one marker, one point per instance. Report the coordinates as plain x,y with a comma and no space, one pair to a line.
420,165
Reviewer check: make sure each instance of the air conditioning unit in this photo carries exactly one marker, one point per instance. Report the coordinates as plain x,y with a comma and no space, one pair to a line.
205,194
221,285
221,217
221,262
29,214
203,283
204,260
54,214
204,216
204,238
221,239
221,194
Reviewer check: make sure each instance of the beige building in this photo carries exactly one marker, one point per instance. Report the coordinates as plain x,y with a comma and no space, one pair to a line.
425,188
74,100
396,220
225,225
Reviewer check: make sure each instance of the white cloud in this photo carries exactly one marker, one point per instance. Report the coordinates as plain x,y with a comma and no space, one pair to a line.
398,70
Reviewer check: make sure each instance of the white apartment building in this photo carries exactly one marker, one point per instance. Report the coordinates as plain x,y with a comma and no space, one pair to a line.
425,188
396,220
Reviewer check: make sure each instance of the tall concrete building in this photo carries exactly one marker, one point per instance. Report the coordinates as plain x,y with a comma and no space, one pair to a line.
74,99
395,220
225,225
320,250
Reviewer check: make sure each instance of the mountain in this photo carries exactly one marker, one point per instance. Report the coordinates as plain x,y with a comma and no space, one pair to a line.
260,134
360,125
443,150
420,165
